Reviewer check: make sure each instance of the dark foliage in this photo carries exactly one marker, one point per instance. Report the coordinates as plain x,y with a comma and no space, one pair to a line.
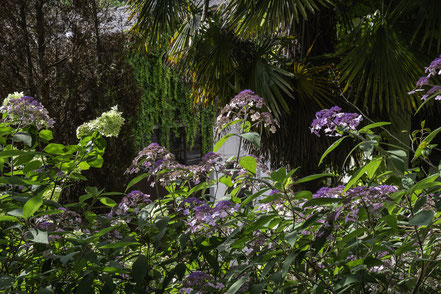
69,56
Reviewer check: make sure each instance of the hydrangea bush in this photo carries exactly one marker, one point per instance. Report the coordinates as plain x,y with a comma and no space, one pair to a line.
378,232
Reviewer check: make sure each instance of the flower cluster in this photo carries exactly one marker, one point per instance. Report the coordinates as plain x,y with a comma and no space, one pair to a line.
66,220
156,160
199,282
108,124
432,70
371,198
202,215
134,200
152,159
247,106
333,120
25,111
210,162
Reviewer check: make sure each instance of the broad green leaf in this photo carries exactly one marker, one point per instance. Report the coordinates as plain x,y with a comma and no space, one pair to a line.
279,175
38,236
136,180
312,178
271,198
303,195
252,197
236,285
23,137
7,218
425,142
330,148
236,121
10,153
391,221
422,218
287,264
369,168
107,201
222,141
14,180
46,135
139,269
253,138
32,205
374,125
97,162
33,165
226,181
249,163
84,165
46,290
291,238
55,148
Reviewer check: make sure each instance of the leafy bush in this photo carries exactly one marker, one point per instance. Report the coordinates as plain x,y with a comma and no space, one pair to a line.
376,233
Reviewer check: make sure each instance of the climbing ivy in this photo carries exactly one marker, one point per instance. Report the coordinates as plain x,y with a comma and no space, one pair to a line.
166,105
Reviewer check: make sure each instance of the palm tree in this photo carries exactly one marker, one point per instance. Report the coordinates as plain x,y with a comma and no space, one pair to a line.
294,53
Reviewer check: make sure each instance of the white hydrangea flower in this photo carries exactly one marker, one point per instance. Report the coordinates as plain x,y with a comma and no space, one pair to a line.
108,124
14,95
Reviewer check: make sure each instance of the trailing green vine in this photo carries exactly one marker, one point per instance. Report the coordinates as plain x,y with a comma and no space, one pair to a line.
166,106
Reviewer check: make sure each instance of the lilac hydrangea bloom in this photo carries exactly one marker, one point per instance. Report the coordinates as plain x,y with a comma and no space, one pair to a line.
65,220
201,283
134,200
434,68
247,105
26,111
203,215
332,119
431,91
372,198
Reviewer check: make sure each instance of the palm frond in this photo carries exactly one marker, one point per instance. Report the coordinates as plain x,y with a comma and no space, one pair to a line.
156,20
267,16
378,66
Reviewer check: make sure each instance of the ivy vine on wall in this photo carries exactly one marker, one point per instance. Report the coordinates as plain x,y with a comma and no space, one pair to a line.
166,106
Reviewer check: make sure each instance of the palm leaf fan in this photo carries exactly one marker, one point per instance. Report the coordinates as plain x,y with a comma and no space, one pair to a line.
378,66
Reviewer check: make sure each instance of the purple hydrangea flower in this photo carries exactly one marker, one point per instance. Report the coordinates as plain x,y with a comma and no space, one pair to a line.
333,119
134,199
434,68
431,91
372,198
247,106
26,111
